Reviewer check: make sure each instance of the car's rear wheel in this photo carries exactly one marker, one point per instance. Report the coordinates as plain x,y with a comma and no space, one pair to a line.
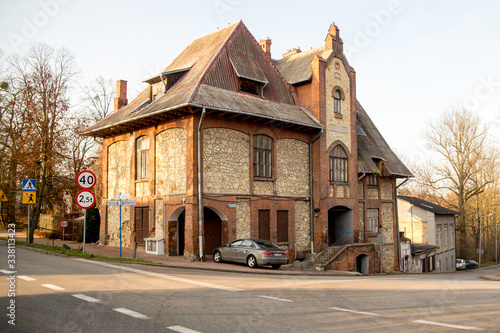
217,257
276,266
252,262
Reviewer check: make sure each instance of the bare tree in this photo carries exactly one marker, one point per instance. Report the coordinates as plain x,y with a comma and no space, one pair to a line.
461,140
44,77
98,98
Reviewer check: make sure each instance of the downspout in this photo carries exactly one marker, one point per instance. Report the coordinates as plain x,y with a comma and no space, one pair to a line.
397,221
200,197
311,187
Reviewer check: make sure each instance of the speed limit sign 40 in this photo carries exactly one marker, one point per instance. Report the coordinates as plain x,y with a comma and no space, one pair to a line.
85,199
86,179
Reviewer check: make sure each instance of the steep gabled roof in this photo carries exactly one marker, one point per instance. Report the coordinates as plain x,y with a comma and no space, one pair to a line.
373,147
297,68
429,206
207,70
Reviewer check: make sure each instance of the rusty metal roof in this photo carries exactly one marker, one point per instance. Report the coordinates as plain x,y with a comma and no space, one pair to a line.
372,146
212,62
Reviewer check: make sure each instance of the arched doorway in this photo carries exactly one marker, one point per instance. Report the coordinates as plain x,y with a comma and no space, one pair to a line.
212,231
340,226
180,233
363,264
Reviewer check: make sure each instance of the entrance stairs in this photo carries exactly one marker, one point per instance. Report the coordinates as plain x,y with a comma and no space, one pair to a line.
329,255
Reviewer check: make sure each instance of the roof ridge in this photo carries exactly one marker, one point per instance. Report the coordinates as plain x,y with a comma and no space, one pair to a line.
212,61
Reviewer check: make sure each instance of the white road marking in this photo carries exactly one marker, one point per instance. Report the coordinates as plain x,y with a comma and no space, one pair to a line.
275,298
26,278
87,298
163,276
459,327
53,287
4,271
131,313
182,329
358,312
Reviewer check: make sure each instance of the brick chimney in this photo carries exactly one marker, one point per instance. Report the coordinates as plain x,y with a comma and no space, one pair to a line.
333,40
291,52
121,95
266,45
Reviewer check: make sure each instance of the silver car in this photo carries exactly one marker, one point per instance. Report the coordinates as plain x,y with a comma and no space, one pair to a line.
253,252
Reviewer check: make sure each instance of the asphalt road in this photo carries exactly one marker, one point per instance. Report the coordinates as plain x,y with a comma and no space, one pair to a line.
63,294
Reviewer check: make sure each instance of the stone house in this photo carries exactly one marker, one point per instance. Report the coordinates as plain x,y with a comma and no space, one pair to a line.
425,223
229,143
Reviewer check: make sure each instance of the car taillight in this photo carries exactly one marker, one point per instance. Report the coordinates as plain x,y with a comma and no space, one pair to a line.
267,252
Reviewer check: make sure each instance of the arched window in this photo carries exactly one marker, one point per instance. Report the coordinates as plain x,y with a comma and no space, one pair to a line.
338,165
262,156
337,101
142,154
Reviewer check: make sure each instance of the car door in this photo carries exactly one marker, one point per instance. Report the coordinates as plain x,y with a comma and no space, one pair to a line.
229,253
245,249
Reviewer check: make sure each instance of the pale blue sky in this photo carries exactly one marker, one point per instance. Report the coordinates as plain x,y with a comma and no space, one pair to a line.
413,58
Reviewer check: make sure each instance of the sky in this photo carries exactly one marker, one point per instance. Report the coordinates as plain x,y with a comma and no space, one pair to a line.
414,59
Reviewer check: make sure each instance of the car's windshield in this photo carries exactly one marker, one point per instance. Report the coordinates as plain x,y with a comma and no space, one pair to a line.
265,243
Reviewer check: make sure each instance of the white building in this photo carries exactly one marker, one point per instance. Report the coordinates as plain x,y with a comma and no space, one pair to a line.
426,223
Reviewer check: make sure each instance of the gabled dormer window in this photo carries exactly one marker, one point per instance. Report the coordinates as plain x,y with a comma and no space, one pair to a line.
249,86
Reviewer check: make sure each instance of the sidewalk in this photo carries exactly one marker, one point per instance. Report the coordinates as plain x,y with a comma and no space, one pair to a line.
177,261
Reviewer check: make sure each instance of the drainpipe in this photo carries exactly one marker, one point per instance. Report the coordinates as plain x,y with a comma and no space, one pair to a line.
200,197
397,221
311,186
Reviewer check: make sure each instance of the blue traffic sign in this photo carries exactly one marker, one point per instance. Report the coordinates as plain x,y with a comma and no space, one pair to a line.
29,185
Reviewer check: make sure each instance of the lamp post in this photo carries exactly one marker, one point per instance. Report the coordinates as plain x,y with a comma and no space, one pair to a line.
480,220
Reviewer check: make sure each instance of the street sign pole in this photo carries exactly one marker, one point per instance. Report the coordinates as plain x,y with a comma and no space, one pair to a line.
28,233
120,224
84,227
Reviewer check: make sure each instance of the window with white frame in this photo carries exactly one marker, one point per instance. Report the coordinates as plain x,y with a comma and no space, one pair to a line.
372,220
142,153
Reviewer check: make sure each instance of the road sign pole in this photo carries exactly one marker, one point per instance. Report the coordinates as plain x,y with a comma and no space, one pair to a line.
120,225
28,233
84,227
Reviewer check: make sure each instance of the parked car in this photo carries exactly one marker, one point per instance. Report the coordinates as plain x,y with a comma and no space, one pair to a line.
471,264
253,252
460,264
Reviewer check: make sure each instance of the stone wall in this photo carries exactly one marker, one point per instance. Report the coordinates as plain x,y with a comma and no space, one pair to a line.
302,226
386,191
242,218
292,163
118,182
226,161
338,126
159,229
171,162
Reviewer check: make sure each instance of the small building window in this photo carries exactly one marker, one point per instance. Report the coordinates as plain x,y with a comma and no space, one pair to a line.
338,165
372,220
262,156
142,153
337,101
249,86
372,180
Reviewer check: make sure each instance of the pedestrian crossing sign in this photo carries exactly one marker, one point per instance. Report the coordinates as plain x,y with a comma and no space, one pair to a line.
3,197
29,198
29,185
